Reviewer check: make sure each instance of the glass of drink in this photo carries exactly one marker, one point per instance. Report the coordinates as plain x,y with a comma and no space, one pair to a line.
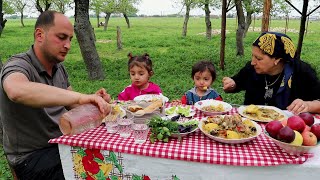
124,127
140,132
111,122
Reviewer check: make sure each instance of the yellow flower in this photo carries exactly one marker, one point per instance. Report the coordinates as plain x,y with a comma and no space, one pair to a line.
106,168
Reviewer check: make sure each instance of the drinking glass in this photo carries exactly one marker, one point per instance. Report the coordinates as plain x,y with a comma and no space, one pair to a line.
140,132
124,127
111,122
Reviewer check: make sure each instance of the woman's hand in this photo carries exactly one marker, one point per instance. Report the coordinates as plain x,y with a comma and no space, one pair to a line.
228,84
298,106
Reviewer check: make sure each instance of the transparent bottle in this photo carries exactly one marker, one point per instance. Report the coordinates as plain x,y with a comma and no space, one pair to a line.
80,119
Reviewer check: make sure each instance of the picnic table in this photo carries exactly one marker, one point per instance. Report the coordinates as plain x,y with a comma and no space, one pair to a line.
99,154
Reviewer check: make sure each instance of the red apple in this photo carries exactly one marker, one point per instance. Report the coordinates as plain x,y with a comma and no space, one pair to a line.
296,123
309,139
315,129
307,118
273,128
307,128
284,122
286,134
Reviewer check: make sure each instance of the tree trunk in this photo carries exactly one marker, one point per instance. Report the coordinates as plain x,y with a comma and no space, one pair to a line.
106,21
185,23
240,29
302,27
248,23
83,31
207,20
223,33
254,22
119,42
287,23
2,21
21,19
266,15
98,20
127,19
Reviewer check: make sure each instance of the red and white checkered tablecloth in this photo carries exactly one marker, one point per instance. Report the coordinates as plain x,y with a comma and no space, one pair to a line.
194,147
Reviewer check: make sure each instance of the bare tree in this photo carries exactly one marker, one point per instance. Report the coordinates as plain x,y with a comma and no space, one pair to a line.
108,7
84,33
189,4
61,5
304,16
96,6
126,7
42,3
251,7
19,6
241,28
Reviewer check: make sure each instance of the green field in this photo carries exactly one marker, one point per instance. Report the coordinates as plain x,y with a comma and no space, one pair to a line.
171,54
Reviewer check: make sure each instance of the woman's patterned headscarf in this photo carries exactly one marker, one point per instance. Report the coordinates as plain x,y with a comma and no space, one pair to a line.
276,45
279,45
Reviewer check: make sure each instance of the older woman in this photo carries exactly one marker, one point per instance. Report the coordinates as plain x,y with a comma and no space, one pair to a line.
275,77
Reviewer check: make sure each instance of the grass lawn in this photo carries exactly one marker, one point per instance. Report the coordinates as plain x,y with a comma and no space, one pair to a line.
172,55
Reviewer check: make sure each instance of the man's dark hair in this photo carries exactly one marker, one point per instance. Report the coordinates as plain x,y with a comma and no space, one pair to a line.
45,20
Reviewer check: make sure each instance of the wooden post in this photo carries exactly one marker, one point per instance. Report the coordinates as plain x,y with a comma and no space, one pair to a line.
119,43
266,16
223,33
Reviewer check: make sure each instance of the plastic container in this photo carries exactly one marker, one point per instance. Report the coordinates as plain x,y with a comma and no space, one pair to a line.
80,119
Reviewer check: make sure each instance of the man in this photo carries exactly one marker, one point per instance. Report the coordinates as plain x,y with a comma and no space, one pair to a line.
34,93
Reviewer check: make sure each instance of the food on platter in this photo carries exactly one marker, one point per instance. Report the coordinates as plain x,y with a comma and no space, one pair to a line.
134,108
230,127
151,108
262,113
212,107
185,111
185,127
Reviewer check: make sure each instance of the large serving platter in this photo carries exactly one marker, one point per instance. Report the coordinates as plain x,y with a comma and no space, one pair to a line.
230,141
211,102
181,121
242,109
150,98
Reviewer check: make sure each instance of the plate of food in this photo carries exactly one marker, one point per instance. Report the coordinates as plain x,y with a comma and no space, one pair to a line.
185,111
262,113
140,110
185,126
213,107
149,98
230,129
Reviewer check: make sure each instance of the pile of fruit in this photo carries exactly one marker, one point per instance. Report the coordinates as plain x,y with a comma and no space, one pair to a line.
297,130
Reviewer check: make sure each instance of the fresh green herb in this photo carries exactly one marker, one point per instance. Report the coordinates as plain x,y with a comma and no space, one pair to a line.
161,129
185,111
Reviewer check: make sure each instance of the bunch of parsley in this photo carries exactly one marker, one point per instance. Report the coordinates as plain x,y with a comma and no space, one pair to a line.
161,129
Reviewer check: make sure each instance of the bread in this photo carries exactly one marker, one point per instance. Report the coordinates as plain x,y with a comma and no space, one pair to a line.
134,108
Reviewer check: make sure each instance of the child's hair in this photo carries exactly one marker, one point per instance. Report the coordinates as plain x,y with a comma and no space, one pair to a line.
201,66
143,61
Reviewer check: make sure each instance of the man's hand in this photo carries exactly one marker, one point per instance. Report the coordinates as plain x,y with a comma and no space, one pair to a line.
103,93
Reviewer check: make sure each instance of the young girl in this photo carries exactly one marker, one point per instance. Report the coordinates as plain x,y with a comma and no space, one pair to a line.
203,75
140,69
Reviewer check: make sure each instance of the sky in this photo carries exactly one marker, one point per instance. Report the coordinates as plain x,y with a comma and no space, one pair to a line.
165,7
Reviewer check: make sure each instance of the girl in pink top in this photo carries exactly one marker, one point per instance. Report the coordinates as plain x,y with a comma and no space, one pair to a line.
140,69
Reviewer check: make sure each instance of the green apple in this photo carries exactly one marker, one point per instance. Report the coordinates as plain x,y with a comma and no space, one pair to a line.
298,140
